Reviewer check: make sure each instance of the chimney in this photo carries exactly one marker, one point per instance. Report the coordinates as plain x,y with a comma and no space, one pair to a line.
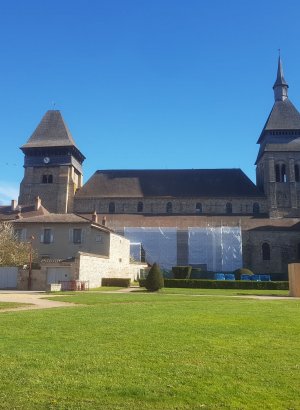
14,204
104,221
37,203
95,217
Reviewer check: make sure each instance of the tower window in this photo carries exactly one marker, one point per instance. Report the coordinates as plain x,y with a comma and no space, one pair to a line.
169,208
256,208
199,208
297,173
280,173
47,179
298,251
277,173
111,208
140,207
229,208
283,173
266,251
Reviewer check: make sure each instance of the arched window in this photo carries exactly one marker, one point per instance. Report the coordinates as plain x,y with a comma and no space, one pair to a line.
266,251
256,208
140,207
199,208
297,173
229,208
283,173
111,208
47,179
169,208
298,251
277,173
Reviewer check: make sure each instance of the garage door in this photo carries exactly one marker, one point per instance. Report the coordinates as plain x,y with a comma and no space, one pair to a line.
56,275
8,277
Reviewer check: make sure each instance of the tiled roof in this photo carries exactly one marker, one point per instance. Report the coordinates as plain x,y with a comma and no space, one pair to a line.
176,183
283,116
52,131
6,213
54,218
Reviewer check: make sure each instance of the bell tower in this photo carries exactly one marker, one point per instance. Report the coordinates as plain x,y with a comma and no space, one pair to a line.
53,165
278,160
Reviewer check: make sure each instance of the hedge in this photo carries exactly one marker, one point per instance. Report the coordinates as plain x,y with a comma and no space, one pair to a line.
121,282
222,284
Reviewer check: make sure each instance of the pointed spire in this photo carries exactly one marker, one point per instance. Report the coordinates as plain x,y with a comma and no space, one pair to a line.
280,86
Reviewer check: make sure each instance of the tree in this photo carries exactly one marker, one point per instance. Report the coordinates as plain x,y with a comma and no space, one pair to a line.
12,251
154,280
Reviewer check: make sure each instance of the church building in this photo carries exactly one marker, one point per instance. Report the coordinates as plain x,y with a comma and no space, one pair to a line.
217,219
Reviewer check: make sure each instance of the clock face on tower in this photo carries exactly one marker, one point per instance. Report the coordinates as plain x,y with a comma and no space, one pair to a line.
46,160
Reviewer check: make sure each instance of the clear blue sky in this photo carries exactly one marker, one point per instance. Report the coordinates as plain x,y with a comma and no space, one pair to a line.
145,83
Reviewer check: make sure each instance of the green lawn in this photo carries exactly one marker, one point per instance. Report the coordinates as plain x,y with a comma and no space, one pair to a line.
12,305
152,351
226,292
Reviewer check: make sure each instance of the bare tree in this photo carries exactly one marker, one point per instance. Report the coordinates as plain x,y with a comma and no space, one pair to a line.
13,252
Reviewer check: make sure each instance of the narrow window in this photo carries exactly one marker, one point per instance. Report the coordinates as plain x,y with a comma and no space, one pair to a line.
140,207
266,253
283,173
297,173
199,208
169,208
277,173
44,179
111,208
256,208
50,179
77,235
47,179
229,208
47,235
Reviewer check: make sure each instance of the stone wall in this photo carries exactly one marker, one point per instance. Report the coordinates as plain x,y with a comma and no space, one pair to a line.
179,206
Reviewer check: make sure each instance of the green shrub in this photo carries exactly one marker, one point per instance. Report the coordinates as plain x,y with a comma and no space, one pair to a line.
242,271
154,280
225,284
120,282
182,272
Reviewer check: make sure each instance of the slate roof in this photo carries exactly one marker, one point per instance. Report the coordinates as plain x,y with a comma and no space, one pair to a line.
52,131
6,213
175,183
283,116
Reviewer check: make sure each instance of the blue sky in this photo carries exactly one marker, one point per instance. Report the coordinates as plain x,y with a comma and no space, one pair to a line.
145,84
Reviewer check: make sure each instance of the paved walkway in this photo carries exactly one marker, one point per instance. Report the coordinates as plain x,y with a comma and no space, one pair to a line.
34,298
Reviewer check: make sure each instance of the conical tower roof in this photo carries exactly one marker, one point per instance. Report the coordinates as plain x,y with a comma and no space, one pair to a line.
52,131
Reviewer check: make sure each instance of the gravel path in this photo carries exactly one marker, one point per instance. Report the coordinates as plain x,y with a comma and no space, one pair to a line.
36,300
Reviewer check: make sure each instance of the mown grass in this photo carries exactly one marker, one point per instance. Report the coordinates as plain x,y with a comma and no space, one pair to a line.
152,351
12,305
226,292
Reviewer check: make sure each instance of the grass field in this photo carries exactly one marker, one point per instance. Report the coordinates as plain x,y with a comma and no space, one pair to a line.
152,351
11,305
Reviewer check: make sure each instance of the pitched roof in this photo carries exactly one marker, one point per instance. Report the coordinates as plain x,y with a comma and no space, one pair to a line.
283,116
54,218
52,131
169,183
6,212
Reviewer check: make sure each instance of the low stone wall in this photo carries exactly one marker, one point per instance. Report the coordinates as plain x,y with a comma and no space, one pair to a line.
93,268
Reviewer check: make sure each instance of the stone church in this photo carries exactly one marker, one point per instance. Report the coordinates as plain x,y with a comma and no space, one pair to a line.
213,218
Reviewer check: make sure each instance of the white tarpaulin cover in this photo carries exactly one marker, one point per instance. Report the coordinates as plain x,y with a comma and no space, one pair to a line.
220,248
160,244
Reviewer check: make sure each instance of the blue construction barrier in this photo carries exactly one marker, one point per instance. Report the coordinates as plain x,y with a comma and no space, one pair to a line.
229,276
219,276
246,277
265,278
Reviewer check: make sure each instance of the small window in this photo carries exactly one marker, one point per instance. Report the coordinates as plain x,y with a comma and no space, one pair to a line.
229,208
99,238
77,235
20,234
266,252
256,208
283,173
297,173
47,236
47,179
140,207
169,208
111,208
298,251
199,208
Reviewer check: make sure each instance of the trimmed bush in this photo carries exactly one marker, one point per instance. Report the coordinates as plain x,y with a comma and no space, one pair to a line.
182,272
225,284
242,271
154,280
120,282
